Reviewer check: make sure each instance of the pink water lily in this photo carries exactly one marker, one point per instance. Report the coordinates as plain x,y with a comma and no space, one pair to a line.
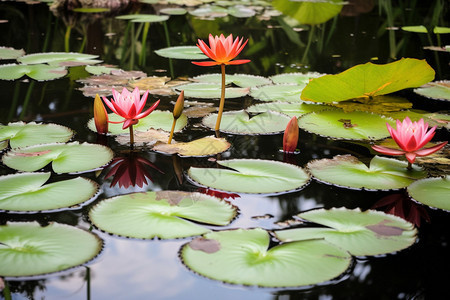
411,137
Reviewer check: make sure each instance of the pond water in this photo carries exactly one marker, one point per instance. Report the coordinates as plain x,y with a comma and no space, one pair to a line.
127,268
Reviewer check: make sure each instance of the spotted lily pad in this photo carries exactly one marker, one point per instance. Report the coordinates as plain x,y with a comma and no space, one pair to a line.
59,59
205,146
210,91
251,176
360,233
295,78
290,109
40,72
27,249
436,90
25,192
278,92
243,257
434,192
355,125
181,52
240,122
241,80
22,134
162,214
65,158
382,173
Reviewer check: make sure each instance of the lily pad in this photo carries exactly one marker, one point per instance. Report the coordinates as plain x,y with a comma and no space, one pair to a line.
176,11
241,80
26,192
65,158
436,90
295,78
434,192
382,174
59,59
355,125
378,104
210,11
243,257
309,12
10,53
205,146
251,176
433,119
98,70
240,122
22,134
143,18
369,80
181,52
278,92
210,91
40,72
361,233
27,249
290,109
162,214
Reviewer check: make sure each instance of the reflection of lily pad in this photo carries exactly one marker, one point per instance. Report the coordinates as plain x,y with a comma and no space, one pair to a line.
382,173
361,233
290,109
65,158
295,78
26,192
240,122
355,125
278,92
40,72
241,80
162,214
206,146
22,134
434,192
244,257
210,91
251,176
436,90
27,249
181,52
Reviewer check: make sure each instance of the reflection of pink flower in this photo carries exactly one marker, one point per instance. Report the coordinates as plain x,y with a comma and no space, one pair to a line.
411,137
129,106
222,50
130,171
221,195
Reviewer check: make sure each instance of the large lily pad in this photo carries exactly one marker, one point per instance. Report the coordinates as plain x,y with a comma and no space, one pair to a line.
382,174
436,90
65,158
295,78
241,80
181,52
379,104
162,214
59,59
243,256
210,91
27,249
251,176
434,192
290,109
205,146
309,12
22,134
240,122
361,233
278,92
25,192
355,125
40,72
10,53
369,80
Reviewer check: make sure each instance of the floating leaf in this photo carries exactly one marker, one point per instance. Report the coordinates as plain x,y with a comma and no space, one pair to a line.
241,80
436,90
295,78
59,59
382,174
27,249
278,92
25,192
433,119
162,214
239,122
145,138
65,158
210,11
177,11
91,10
210,91
205,146
10,53
360,233
290,109
434,192
379,104
22,134
240,11
98,70
181,52
143,18
369,80
243,257
355,125
251,176
40,72
309,12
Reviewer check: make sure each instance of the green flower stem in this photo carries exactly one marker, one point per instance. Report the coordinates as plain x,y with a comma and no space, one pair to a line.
131,135
172,130
144,41
7,292
67,38
222,98
166,33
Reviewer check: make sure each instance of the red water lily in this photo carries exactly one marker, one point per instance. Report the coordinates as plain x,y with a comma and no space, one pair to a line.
222,50
290,137
411,137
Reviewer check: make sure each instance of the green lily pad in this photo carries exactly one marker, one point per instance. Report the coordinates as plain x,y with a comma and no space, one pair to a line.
10,53
295,78
210,11
99,70
91,10
239,122
278,92
22,134
378,104
290,109
40,72
309,12
435,90
337,124
210,91
65,158
143,18
240,11
382,174
27,249
243,257
59,59
26,192
434,192
176,11
158,119
182,52
241,80
433,119
251,176
162,214
361,233
205,146
369,80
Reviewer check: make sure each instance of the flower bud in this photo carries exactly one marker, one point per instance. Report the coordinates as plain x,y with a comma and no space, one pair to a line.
179,106
100,116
